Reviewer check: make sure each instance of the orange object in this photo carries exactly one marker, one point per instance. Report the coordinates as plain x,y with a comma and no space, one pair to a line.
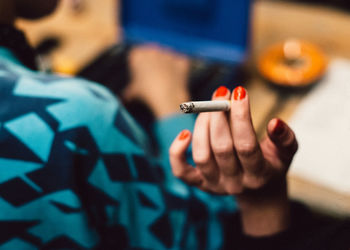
293,63
64,66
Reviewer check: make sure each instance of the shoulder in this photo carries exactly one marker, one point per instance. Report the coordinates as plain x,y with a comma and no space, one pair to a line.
65,92
72,103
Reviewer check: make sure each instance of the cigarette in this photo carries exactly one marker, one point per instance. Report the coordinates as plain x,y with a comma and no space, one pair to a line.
205,106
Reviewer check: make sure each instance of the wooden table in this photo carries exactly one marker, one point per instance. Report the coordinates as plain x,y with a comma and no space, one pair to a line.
87,33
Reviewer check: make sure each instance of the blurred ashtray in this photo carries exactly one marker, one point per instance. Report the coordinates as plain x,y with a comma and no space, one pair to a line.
293,63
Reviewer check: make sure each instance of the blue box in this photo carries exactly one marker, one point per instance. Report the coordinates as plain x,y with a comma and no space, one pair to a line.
210,29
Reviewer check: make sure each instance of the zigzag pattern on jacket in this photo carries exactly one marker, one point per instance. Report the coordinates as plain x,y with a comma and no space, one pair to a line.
74,173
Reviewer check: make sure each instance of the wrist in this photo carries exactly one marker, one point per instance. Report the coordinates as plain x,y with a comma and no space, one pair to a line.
264,215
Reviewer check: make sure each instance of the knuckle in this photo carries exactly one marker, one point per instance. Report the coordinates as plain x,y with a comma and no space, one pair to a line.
247,149
223,150
201,158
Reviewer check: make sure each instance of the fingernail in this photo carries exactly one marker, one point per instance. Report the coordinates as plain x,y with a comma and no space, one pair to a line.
221,91
239,93
184,134
279,127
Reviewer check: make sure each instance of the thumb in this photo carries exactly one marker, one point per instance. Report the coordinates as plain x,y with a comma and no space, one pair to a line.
283,139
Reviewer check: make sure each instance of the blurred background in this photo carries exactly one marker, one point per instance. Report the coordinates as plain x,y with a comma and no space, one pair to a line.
294,59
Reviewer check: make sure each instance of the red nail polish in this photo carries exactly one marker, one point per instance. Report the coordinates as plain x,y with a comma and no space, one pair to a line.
239,93
279,127
221,91
184,134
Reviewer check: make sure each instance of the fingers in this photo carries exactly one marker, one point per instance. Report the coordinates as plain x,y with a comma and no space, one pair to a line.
180,167
282,139
225,149
201,151
222,143
245,141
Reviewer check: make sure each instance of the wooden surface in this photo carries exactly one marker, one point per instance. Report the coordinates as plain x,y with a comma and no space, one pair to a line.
87,33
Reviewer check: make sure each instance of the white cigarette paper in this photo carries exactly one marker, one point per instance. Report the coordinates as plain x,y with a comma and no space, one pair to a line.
205,106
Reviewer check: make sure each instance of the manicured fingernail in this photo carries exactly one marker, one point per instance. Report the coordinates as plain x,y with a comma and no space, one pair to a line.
279,127
239,93
221,91
184,134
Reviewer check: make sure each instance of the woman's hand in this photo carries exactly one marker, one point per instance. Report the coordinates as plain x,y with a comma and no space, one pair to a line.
230,160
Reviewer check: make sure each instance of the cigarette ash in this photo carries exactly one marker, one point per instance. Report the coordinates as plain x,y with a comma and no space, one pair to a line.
187,107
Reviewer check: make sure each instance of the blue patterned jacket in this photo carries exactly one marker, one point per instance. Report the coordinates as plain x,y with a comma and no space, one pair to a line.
75,172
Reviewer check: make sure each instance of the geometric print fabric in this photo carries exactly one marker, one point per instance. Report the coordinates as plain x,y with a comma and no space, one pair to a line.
74,175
